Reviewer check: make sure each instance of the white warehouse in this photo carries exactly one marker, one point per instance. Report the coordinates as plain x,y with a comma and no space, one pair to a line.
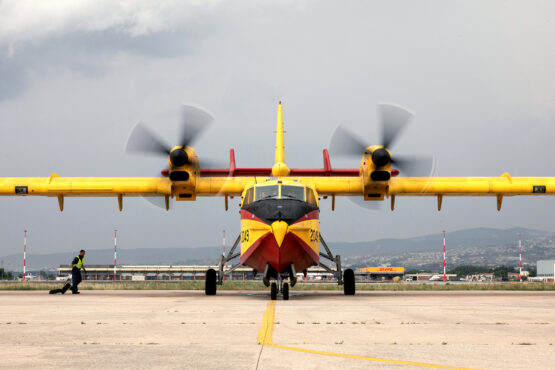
546,270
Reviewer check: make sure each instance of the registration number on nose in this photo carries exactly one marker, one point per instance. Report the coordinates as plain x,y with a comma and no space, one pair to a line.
244,236
314,235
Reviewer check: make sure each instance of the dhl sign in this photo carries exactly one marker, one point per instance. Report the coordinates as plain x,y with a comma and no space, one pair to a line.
383,270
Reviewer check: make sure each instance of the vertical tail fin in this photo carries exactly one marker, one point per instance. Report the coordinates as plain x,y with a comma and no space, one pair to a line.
280,148
280,168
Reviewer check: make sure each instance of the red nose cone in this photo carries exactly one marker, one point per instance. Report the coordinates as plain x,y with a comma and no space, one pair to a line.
394,172
165,172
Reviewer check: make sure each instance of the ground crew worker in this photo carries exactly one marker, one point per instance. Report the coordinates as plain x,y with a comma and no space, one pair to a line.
76,267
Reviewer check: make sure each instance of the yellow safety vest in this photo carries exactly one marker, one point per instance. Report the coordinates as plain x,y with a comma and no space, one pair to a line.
79,263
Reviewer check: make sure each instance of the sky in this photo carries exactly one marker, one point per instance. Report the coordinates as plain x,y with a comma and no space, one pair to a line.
76,76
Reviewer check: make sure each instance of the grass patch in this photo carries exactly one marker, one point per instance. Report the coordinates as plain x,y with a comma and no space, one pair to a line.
258,286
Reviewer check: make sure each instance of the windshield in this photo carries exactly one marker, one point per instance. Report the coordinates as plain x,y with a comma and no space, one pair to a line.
264,192
295,192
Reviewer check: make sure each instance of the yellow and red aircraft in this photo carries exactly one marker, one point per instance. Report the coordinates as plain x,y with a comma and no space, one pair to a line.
280,233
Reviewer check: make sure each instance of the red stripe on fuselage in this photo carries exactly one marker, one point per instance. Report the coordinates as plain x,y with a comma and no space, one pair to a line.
292,251
246,215
312,215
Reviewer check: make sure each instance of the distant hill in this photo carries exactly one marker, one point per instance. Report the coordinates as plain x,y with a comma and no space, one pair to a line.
479,247
479,237
484,246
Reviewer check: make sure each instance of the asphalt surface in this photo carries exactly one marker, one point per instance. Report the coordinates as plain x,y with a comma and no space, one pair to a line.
185,329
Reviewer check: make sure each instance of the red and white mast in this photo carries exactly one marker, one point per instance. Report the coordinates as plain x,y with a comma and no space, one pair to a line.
520,257
444,270
115,250
24,252
223,242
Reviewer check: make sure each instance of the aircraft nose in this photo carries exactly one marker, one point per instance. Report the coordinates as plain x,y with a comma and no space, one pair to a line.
279,229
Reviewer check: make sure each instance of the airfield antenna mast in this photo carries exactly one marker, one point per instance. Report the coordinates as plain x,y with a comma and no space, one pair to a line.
115,250
520,257
223,242
24,252
444,272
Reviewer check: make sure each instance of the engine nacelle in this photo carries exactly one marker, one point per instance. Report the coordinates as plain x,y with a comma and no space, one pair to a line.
183,172
375,167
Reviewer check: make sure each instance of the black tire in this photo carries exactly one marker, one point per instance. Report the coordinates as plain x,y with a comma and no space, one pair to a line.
349,282
273,291
210,282
285,291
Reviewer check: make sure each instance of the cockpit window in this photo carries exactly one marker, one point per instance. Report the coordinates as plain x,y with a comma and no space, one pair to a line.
249,197
310,197
294,192
265,192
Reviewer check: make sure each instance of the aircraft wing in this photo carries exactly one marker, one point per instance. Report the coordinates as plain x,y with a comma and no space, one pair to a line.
472,186
84,186
61,187
501,186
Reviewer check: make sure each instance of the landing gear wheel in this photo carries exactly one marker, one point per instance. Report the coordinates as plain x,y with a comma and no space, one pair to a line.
285,291
210,282
273,291
349,282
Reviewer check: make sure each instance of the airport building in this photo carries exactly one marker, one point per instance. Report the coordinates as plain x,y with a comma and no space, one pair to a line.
152,272
546,270
175,272
423,276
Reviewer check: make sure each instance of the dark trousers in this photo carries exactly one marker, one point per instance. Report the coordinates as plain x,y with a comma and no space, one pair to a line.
75,279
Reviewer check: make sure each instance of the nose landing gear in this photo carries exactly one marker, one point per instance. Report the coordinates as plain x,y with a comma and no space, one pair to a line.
279,287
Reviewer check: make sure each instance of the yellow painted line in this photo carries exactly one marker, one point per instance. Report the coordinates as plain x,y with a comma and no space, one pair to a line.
266,332
366,358
264,336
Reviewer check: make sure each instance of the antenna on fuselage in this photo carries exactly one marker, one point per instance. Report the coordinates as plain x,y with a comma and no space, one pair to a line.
280,168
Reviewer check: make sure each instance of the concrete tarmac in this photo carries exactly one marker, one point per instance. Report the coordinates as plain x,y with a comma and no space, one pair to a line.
314,330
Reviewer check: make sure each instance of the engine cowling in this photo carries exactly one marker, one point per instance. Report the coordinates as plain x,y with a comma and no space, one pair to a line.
375,167
183,172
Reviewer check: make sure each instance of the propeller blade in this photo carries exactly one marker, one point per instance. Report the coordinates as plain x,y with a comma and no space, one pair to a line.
393,119
194,120
344,142
143,140
414,166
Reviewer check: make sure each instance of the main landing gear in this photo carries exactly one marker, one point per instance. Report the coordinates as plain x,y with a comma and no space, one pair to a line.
347,278
213,278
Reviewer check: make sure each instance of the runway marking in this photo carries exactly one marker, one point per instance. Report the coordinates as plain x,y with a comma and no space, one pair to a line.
265,338
265,333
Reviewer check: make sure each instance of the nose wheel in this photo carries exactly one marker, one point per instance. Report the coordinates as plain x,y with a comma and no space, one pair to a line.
285,291
279,287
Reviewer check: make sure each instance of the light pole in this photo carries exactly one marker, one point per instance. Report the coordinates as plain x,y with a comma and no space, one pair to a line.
24,253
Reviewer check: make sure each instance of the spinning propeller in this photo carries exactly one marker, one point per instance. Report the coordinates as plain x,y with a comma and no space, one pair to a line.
393,120
194,121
